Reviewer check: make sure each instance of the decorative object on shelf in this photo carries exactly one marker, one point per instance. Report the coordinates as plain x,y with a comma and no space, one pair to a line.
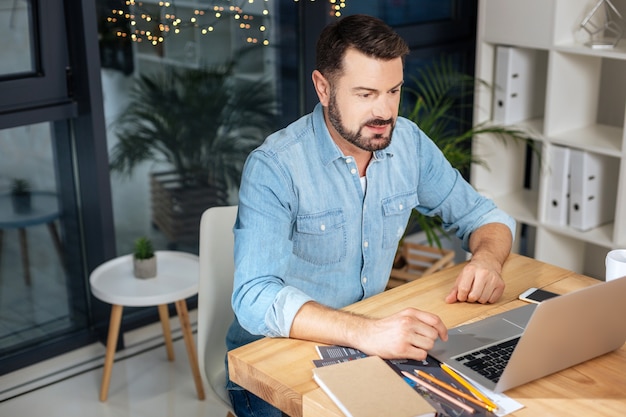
21,195
144,259
202,123
435,102
603,23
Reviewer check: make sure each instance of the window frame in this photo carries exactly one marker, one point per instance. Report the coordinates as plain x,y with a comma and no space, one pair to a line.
42,94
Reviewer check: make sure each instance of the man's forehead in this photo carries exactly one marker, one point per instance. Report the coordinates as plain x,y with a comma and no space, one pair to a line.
365,71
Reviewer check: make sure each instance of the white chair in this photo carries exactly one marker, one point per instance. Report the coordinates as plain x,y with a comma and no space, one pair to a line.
215,288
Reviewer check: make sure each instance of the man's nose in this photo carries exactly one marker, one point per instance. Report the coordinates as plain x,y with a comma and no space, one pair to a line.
384,108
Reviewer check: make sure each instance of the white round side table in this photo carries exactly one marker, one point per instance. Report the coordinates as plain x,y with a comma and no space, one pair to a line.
177,279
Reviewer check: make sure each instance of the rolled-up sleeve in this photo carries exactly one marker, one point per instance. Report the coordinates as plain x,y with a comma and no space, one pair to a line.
261,300
443,192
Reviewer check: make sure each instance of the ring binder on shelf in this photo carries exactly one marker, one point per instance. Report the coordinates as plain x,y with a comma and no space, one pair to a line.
592,191
514,84
557,207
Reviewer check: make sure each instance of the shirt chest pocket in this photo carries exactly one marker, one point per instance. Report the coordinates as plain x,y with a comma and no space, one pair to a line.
320,238
396,212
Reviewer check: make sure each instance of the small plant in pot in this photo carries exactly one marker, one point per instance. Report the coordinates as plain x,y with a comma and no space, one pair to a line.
21,195
144,259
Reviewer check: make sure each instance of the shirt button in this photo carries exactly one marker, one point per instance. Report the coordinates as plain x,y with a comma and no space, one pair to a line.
401,206
323,227
364,280
353,170
348,160
366,244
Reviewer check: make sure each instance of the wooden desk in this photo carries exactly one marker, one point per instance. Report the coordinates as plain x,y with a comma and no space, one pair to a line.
280,370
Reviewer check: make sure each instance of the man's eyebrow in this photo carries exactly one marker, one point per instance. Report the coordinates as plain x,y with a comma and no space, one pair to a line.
373,90
397,85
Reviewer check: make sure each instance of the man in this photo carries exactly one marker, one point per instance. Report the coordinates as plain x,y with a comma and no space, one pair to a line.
324,202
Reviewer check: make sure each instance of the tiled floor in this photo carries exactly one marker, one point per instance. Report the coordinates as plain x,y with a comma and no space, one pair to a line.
143,382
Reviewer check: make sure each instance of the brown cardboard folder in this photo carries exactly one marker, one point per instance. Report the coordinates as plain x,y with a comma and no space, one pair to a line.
368,387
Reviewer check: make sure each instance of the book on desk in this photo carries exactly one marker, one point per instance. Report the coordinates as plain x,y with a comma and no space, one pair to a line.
368,387
445,395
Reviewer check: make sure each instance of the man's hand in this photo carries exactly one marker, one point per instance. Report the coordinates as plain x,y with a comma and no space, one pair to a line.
481,280
408,334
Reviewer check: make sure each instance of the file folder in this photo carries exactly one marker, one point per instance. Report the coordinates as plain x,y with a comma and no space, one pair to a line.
514,84
557,207
593,179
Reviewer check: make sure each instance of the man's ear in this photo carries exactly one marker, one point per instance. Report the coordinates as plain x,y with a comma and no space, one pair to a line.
322,87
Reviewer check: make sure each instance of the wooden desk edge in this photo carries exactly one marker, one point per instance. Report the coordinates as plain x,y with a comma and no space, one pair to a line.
245,374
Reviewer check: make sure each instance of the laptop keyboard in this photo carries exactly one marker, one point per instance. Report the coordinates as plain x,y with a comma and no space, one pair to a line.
489,361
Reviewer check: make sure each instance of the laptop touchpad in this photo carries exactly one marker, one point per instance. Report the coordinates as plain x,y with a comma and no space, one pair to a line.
474,335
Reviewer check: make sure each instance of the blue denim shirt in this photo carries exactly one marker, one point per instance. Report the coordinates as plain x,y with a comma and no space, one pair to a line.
307,231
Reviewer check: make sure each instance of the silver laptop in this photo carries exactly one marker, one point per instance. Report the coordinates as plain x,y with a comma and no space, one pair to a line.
544,338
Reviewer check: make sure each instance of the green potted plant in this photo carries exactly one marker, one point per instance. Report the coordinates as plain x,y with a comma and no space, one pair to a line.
437,102
144,259
200,122
21,195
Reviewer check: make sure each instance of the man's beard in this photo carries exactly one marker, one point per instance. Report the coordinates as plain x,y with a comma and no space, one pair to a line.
356,138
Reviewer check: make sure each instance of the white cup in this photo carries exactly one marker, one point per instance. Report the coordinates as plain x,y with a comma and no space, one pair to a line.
615,264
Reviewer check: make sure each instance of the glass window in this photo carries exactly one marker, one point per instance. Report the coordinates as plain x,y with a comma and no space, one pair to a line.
34,63
194,77
402,12
15,37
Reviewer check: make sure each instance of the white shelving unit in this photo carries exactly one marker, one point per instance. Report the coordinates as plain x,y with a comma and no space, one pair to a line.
582,105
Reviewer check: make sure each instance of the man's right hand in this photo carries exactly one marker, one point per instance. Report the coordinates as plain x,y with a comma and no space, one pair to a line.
408,334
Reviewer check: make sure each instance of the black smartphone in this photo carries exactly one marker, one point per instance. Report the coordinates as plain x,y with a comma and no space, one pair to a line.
536,295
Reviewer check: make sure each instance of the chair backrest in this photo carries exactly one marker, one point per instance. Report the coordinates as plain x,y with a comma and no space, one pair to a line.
215,288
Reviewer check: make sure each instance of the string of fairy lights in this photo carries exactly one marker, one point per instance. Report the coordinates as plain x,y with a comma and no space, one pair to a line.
153,21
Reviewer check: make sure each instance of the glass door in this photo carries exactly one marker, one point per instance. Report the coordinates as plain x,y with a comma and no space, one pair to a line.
42,293
52,201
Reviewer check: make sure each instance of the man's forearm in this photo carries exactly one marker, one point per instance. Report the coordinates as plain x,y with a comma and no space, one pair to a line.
491,243
326,325
409,333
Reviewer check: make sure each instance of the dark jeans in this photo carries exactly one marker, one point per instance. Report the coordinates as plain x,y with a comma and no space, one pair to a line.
246,404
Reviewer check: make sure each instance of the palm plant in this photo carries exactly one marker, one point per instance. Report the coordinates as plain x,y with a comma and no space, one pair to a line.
203,122
437,103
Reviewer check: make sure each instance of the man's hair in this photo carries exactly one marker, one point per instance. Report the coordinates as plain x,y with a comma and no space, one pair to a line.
368,35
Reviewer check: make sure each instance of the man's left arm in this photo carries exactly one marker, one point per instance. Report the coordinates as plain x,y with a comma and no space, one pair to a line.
481,280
